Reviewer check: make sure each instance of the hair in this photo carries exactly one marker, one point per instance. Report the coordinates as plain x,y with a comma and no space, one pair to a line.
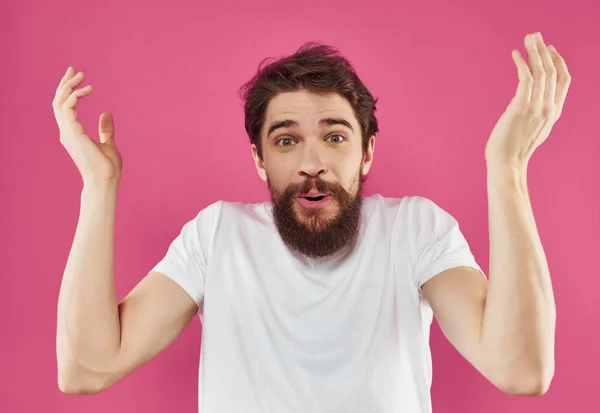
316,68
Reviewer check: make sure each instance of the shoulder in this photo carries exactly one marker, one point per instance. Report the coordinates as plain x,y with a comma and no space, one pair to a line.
408,215
239,217
424,217
406,205
229,209
241,211
380,203
210,213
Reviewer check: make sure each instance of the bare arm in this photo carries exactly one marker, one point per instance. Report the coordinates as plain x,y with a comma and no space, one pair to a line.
519,320
98,340
88,327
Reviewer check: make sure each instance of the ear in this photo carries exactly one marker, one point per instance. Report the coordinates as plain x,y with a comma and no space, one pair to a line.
368,157
258,162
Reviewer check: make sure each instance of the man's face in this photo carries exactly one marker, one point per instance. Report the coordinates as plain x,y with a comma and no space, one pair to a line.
313,169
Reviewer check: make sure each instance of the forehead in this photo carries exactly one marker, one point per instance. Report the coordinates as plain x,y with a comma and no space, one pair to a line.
307,108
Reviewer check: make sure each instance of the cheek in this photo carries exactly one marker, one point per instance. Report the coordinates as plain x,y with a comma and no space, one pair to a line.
285,164
352,179
280,175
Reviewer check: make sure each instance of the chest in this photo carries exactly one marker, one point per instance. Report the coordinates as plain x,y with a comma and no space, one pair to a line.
261,286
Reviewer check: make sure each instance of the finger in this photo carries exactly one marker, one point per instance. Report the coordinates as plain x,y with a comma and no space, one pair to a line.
525,79
66,89
537,69
68,75
563,79
68,108
106,128
550,86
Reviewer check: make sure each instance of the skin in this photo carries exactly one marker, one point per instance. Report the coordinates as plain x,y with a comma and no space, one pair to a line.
312,156
506,331
506,328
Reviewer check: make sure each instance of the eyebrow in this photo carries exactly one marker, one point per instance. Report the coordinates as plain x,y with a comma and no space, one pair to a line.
288,123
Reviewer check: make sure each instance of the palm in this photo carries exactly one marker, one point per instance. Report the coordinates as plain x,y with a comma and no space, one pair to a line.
111,155
97,161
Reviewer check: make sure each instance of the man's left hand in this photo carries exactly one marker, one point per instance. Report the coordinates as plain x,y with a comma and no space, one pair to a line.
537,105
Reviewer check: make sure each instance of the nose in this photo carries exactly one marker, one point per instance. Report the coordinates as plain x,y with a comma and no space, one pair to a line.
312,164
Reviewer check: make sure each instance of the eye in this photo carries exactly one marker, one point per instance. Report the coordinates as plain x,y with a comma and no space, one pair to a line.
289,141
285,140
339,136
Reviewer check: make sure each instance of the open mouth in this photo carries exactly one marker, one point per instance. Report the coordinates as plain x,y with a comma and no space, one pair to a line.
310,202
314,198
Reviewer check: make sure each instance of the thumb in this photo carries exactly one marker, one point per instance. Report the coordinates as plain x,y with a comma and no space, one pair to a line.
106,128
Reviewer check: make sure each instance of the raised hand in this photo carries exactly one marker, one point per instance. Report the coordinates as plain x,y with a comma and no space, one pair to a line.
97,162
538,103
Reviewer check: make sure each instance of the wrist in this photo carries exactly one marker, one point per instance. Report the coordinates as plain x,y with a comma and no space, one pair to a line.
100,188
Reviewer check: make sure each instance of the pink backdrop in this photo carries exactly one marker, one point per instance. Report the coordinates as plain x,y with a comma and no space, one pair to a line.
443,74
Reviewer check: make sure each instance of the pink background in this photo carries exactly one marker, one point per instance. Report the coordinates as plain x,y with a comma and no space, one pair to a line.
169,74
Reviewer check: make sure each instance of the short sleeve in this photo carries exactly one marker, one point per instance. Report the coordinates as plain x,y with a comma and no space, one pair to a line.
186,259
439,243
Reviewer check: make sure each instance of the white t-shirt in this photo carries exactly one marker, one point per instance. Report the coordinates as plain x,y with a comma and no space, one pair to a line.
282,333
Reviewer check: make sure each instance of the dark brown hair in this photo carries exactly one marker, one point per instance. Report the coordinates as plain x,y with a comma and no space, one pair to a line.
316,68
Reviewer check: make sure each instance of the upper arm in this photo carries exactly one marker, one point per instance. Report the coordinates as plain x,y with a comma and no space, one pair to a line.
152,316
163,303
457,298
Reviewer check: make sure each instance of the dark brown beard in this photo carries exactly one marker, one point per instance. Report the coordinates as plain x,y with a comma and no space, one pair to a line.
319,236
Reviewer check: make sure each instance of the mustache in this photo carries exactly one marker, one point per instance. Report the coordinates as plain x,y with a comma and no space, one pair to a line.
286,197
336,190
317,183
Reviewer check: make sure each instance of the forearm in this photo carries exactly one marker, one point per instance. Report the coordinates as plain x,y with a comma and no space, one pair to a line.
88,327
519,318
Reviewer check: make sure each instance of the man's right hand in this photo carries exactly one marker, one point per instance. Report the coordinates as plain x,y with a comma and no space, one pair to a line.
97,162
